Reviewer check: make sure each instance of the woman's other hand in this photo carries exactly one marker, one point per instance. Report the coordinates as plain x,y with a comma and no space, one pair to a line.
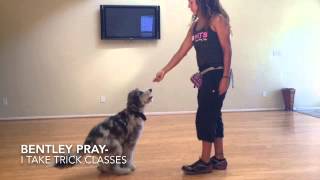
223,86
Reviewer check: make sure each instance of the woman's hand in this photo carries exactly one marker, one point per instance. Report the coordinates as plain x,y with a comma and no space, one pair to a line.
160,75
223,86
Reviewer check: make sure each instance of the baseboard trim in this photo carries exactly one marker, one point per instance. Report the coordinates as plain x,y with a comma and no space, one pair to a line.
54,117
305,108
147,113
252,110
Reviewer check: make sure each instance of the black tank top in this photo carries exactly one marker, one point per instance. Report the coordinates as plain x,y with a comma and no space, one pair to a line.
208,49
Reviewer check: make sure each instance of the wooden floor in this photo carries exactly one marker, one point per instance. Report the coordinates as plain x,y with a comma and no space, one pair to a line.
258,145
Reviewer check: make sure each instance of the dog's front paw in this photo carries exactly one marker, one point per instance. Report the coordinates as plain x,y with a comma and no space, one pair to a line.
131,167
122,170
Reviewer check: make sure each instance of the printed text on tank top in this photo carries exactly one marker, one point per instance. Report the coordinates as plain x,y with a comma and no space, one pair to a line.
201,34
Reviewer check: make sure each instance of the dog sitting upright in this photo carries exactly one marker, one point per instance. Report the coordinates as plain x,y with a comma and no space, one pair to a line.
119,133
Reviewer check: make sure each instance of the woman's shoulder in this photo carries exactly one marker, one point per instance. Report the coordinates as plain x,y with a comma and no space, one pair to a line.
218,20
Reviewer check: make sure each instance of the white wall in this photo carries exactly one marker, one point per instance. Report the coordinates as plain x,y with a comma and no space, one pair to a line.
52,61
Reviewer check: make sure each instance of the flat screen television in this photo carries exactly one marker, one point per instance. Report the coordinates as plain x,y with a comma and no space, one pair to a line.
130,22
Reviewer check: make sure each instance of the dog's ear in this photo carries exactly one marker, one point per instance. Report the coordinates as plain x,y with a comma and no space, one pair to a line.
133,107
131,95
136,99
134,102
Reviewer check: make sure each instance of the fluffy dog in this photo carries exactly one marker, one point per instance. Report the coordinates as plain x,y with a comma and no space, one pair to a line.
119,133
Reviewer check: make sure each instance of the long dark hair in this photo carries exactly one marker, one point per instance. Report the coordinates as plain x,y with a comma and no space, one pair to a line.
210,8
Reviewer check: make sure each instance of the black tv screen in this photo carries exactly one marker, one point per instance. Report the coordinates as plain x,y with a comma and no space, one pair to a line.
130,22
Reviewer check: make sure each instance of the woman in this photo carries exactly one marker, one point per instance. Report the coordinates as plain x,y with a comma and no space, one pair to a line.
210,36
